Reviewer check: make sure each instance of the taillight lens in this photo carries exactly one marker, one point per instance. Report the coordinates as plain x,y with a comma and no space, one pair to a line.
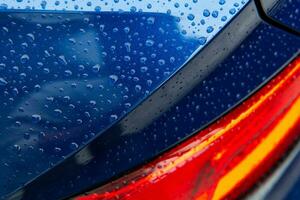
228,157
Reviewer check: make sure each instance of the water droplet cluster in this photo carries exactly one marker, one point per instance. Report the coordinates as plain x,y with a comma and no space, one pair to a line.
196,18
65,77
289,14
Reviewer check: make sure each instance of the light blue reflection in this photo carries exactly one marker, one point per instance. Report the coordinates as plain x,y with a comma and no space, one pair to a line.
200,19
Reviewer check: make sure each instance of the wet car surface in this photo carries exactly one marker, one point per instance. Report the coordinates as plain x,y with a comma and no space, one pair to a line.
72,73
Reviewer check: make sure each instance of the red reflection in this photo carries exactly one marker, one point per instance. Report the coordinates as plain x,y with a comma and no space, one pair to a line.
226,158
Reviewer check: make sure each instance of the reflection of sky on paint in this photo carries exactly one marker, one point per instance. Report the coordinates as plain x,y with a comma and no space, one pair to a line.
197,18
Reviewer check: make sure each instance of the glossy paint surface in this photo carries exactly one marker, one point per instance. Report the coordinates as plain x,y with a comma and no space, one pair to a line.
289,13
226,158
71,69
195,18
257,58
294,192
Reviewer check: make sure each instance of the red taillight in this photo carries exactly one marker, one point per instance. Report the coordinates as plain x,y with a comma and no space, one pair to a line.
225,159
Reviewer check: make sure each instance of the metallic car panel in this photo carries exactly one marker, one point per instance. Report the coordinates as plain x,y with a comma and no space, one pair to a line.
287,13
123,146
70,70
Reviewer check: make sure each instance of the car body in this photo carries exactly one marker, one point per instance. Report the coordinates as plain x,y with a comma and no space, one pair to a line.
98,93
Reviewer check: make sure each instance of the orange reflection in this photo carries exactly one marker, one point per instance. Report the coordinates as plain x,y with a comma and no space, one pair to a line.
228,157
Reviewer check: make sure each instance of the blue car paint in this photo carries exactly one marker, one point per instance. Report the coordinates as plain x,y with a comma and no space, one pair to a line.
288,14
67,76
294,192
257,58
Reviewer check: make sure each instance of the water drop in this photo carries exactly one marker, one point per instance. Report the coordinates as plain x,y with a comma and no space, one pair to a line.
36,118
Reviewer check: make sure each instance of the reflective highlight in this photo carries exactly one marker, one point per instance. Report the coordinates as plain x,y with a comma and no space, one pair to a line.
196,18
75,68
228,157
